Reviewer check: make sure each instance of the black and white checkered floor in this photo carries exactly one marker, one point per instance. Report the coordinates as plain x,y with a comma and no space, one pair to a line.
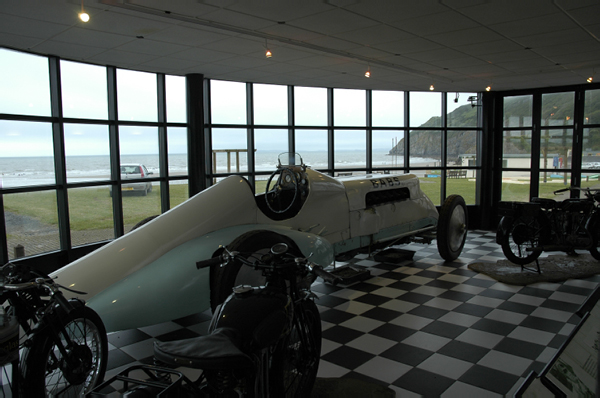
423,327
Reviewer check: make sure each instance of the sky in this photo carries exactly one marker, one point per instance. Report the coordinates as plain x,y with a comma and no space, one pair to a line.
24,88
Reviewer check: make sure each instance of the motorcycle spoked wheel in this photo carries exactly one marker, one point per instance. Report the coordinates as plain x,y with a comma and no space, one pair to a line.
46,373
596,237
522,237
255,243
296,360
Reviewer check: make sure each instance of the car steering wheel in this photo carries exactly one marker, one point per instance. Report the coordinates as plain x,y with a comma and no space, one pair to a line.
286,178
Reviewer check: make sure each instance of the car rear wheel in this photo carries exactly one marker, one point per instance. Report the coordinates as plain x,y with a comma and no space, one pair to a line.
452,227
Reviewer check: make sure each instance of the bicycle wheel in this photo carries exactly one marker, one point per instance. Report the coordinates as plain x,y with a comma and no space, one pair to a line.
520,243
296,359
46,372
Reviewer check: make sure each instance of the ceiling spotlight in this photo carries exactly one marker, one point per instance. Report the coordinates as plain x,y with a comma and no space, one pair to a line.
268,53
590,79
84,16
431,88
368,72
456,99
488,88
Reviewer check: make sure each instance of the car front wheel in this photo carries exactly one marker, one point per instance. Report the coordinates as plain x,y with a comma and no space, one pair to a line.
452,227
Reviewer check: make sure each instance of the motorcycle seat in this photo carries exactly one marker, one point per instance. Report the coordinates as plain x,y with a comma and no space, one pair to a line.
545,203
212,352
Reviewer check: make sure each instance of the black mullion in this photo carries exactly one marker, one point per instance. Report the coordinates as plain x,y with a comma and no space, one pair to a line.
330,135
206,135
163,158
250,134
536,142
444,148
115,161
291,120
60,167
406,129
578,128
369,131
195,133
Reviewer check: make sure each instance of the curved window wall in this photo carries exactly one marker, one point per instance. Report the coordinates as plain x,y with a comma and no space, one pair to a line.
62,152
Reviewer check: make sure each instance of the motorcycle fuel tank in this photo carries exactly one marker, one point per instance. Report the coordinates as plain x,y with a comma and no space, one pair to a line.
261,314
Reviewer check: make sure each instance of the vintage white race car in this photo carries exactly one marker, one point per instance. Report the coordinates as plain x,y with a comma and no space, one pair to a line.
148,276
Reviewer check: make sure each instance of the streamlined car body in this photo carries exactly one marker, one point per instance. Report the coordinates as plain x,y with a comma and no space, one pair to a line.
149,276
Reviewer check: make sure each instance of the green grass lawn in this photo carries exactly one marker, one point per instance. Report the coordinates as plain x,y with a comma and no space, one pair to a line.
91,208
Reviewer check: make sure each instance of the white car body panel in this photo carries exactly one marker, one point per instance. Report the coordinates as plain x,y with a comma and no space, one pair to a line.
149,275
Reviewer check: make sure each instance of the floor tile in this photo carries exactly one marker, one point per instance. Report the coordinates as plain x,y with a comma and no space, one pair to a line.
422,327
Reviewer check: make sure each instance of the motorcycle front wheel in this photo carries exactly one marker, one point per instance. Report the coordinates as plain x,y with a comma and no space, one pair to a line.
46,372
296,359
521,241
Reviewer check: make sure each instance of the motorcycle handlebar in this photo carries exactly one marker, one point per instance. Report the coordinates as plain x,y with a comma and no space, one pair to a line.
211,261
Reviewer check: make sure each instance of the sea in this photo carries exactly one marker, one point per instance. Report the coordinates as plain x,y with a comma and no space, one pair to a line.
30,171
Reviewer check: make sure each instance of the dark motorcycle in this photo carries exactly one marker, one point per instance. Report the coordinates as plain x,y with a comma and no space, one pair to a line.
63,348
262,342
529,228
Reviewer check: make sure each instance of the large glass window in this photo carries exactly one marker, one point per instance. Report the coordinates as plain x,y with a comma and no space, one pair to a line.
227,102
349,150
592,107
312,146
90,215
518,111
349,107
268,144
388,148
388,108
177,150
425,109
270,104
176,99
84,92
24,84
310,106
31,223
26,154
137,96
229,151
87,152
558,109
139,145
460,112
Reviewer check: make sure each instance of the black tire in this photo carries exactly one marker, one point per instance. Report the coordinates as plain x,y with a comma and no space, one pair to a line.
252,245
452,227
143,222
296,360
520,239
44,370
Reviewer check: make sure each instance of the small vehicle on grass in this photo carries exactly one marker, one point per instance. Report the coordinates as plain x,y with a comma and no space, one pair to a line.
529,228
135,171
148,275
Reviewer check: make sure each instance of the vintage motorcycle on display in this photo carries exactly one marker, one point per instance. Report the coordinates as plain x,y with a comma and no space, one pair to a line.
529,228
262,342
64,347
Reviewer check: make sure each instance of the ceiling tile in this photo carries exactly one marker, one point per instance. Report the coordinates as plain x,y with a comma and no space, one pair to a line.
191,36
28,27
279,10
447,21
333,22
373,35
237,19
409,46
147,46
465,37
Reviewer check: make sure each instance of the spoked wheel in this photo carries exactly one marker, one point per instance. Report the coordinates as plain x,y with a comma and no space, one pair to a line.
48,371
452,227
296,359
520,243
253,245
596,238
